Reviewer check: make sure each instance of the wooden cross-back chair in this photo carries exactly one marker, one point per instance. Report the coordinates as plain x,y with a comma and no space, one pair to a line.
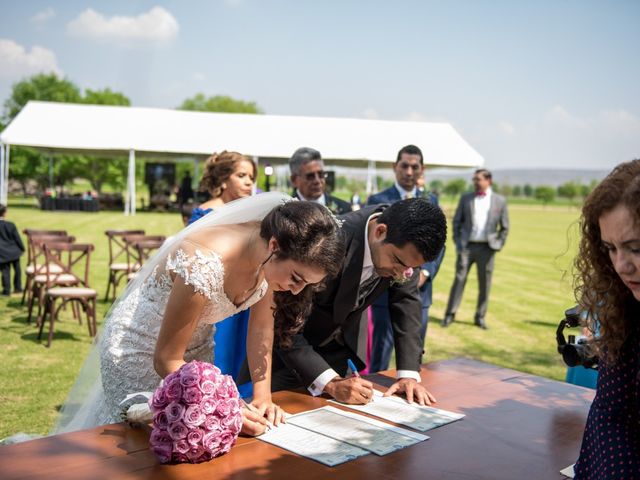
32,264
37,276
120,265
74,260
142,246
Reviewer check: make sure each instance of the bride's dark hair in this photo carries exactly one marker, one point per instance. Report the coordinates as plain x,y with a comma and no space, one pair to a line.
308,233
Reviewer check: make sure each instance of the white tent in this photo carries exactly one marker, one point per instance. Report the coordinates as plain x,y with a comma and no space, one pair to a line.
106,130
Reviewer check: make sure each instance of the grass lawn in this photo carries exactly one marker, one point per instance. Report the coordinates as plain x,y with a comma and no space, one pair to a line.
529,295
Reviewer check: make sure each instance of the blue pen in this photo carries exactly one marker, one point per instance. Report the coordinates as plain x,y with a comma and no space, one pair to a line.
353,368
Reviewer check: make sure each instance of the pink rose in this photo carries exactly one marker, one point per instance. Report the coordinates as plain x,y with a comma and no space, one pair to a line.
208,405
181,446
172,388
189,380
193,416
175,411
212,424
163,451
191,395
195,436
194,453
159,399
159,437
160,420
408,273
211,441
208,387
177,430
191,369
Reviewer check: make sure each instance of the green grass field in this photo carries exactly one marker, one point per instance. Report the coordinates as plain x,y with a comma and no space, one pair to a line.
531,289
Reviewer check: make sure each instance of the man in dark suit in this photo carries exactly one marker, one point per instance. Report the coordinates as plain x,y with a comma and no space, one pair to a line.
383,243
480,228
408,170
310,180
11,248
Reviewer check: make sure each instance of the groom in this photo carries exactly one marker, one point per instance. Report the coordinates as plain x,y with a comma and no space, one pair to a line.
382,242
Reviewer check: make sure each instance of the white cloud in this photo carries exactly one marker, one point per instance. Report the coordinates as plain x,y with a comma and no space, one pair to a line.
199,76
507,128
43,16
17,62
157,25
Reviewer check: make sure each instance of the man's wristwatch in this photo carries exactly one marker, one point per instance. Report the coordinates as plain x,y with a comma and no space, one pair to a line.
425,272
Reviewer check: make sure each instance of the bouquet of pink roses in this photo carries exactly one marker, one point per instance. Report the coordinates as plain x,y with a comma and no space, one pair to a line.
196,414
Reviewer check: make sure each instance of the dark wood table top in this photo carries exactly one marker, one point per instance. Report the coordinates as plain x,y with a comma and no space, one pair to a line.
516,426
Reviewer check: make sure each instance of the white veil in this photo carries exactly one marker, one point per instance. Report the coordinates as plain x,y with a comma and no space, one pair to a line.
77,411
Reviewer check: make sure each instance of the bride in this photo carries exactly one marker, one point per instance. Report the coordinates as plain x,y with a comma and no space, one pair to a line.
262,251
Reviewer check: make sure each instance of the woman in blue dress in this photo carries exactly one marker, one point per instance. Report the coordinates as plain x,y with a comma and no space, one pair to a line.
227,177
608,267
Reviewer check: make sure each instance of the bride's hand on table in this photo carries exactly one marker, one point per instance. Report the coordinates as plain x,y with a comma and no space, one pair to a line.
272,412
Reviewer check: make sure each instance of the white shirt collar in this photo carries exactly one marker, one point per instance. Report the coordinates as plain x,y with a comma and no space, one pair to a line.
320,199
403,193
367,262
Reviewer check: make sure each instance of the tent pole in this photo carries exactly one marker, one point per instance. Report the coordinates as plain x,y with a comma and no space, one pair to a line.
2,179
5,174
372,181
132,182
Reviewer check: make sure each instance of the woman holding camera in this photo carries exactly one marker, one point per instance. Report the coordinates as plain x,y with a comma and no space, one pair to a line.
608,284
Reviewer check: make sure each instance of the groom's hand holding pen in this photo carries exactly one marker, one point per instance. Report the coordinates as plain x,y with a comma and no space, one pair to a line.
354,389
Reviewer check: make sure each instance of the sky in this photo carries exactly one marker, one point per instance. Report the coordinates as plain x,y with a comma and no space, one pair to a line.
544,84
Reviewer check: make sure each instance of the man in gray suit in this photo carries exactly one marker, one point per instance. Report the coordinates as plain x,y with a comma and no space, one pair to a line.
480,228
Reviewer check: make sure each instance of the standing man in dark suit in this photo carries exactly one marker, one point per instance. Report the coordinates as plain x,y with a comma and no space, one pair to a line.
480,228
408,170
11,248
383,243
310,180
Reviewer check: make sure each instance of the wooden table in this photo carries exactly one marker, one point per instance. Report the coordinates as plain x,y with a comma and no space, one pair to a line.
516,426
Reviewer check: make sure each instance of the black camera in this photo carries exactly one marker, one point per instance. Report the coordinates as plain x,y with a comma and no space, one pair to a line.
574,352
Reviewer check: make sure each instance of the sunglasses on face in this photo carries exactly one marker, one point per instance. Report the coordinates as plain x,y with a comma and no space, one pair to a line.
321,175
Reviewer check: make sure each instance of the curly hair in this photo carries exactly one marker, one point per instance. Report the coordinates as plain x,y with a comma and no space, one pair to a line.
308,233
597,286
219,167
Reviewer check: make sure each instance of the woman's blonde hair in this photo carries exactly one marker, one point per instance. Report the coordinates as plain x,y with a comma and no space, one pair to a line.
219,167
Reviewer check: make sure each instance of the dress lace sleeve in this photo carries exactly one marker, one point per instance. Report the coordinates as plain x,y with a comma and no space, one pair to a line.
204,272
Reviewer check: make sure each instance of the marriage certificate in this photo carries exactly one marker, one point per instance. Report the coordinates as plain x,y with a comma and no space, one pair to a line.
398,410
333,436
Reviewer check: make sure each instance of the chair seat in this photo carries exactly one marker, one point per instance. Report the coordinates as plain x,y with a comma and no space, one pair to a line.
53,268
132,275
71,292
63,278
124,266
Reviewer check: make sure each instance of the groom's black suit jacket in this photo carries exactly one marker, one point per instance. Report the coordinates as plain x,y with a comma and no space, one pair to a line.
335,307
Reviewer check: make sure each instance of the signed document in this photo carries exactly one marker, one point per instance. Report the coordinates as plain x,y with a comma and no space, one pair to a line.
332,436
397,410
357,430
315,446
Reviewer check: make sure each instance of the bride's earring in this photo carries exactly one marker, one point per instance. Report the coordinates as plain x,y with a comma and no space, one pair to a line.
223,186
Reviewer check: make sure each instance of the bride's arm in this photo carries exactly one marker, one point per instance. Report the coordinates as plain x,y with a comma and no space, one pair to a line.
178,324
259,348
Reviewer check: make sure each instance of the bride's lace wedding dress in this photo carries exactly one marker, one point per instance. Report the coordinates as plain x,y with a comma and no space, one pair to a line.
121,362
129,337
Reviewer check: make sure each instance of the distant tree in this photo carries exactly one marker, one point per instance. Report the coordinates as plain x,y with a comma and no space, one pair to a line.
105,96
455,187
527,190
545,194
219,103
28,165
436,186
506,190
568,190
44,87
585,190
517,191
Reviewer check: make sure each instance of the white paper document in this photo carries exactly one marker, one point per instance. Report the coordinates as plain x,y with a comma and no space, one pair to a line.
568,472
397,410
358,430
332,436
312,445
